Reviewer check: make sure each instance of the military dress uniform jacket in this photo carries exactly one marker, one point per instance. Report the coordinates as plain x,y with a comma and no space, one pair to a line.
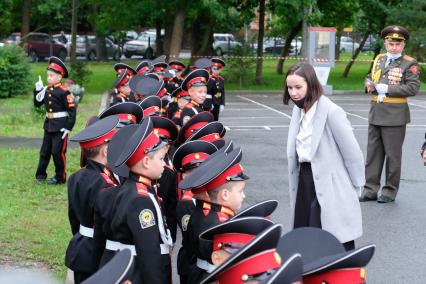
211,90
402,76
190,109
58,99
83,188
219,94
138,220
205,216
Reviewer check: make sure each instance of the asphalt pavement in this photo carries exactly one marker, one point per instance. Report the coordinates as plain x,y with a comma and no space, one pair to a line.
259,124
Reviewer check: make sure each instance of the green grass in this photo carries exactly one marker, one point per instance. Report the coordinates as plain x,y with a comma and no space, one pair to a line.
33,217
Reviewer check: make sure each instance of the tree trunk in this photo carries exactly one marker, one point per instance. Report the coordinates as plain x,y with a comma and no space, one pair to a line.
74,31
26,15
202,38
337,45
286,49
158,43
259,61
168,31
177,35
349,65
101,52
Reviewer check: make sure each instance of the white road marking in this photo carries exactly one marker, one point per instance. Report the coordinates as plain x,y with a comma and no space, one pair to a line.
265,106
267,127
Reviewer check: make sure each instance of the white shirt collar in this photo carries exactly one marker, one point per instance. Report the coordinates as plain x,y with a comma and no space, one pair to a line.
310,114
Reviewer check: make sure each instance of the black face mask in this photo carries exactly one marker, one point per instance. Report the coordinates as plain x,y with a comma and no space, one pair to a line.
300,103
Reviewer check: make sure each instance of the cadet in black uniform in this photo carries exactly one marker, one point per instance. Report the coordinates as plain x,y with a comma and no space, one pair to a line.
121,90
178,67
137,218
61,112
186,158
83,187
181,99
196,85
218,187
218,95
193,124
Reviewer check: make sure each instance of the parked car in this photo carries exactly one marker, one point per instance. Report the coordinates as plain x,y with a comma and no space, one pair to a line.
224,43
14,38
86,46
144,45
41,45
347,44
295,47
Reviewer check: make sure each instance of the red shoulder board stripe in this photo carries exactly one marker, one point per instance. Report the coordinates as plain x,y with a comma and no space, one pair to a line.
142,189
107,179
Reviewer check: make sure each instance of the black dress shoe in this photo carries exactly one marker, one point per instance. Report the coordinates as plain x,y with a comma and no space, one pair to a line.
55,181
384,199
365,199
40,180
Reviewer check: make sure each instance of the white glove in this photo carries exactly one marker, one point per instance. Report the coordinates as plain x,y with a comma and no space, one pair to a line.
39,84
65,131
382,88
40,95
381,98
221,108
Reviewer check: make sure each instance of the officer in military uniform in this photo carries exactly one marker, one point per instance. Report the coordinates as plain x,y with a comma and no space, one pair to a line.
394,77
218,92
83,187
196,85
61,111
138,220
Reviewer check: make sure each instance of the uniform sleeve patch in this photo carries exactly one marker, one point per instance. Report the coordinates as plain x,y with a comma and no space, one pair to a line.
146,218
414,69
185,221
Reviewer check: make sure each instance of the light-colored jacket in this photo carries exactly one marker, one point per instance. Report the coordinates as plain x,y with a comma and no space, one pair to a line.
337,168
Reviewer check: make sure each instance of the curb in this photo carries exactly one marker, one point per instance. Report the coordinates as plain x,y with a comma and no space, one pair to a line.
280,92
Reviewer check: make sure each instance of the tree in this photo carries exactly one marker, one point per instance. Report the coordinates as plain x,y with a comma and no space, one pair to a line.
259,60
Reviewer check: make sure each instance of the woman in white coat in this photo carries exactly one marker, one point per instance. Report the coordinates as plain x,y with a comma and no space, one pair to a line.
325,162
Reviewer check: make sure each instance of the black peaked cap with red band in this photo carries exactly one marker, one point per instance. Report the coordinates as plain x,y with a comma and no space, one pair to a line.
164,127
321,251
159,63
98,133
257,257
115,147
212,132
198,77
152,106
121,80
144,85
262,209
117,270
126,111
191,154
234,234
120,67
179,93
143,140
203,63
290,272
193,124
143,67
177,65
214,172
218,62
58,66
83,159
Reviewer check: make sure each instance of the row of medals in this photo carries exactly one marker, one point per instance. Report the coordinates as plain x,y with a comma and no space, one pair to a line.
395,76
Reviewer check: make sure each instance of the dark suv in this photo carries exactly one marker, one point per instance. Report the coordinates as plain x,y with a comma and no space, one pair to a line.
41,45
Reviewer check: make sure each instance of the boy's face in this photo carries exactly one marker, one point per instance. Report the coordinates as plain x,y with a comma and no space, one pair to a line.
216,70
182,102
53,77
125,90
235,195
155,163
198,94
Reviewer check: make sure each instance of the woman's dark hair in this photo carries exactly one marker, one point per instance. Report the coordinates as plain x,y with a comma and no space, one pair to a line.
307,72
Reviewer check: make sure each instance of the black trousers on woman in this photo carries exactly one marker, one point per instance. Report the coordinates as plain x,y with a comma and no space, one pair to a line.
308,210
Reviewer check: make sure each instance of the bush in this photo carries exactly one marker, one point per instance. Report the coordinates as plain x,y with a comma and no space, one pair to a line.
240,65
15,72
79,72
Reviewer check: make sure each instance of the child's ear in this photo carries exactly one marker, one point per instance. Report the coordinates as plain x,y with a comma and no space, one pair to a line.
105,151
145,161
224,194
216,258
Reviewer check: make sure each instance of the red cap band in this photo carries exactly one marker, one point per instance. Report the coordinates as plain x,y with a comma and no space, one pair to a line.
211,137
151,110
57,67
217,64
162,92
161,132
126,117
143,70
140,152
158,68
98,141
221,241
194,81
194,128
194,157
177,67
256,264
221,179
349,275
182,94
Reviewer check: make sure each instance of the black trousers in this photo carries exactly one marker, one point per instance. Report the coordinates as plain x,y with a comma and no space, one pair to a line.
80,277
308,210
215,111
53,145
